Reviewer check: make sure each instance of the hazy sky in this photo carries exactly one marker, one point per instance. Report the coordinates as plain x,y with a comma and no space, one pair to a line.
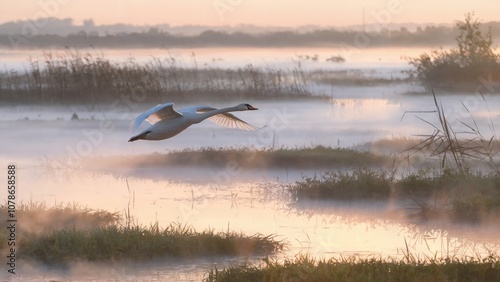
259,12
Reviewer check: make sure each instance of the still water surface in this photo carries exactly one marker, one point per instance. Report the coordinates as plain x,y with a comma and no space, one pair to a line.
40,140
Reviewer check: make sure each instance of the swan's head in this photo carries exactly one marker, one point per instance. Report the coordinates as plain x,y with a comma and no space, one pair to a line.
246,107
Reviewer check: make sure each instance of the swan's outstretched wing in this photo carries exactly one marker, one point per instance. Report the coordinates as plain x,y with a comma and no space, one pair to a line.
155,114
227,120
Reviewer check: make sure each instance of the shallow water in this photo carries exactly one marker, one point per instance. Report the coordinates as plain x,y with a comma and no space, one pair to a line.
49,148
342,121
380,59
48,153
319,229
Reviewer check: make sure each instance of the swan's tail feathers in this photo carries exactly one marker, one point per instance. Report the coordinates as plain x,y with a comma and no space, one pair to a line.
140,136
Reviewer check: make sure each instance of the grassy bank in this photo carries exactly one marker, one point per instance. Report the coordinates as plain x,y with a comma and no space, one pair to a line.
372,269
472,197
139,243
76,233
300,157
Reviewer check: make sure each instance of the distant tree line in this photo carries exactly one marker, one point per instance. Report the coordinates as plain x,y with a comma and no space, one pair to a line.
156,38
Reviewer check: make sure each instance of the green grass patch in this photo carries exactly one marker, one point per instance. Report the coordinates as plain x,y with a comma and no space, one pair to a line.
138,243
359,184
37,217
66,233
470,197
359,269
303,157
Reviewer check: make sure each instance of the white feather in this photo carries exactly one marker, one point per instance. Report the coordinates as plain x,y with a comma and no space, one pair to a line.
167,122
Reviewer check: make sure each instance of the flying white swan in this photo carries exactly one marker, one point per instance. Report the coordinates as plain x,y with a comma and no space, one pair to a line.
167,122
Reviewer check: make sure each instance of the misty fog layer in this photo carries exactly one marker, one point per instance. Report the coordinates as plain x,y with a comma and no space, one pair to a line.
62,33
54,146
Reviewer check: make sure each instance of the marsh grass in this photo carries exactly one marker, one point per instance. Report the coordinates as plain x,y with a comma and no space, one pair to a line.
359,184
138,243
467,187
449,195
457,142
66,233
300,157
410,268
36,217
89,77
75,77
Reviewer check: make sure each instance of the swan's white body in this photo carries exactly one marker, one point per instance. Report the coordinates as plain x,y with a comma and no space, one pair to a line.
167,122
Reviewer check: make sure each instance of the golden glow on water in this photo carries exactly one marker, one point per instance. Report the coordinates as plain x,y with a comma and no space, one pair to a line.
250,208
351,110
252,201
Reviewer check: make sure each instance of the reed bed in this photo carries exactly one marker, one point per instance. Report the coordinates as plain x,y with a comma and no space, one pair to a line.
457,141
75,77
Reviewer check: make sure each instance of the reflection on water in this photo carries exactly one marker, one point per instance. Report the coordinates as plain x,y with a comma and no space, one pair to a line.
322,230
155,270
48,147
343,121
384,59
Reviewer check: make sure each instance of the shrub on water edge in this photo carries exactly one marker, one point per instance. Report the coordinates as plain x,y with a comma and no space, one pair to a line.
474,58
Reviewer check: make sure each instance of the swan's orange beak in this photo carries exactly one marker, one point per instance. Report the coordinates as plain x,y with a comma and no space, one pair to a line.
250,107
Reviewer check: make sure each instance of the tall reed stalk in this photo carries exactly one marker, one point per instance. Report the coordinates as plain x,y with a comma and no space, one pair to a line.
457,142
78,77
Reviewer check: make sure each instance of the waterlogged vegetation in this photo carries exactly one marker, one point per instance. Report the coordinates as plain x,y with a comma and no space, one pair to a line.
364,269
74,77
448,176
141,243
107,240
467,198
462,186
299,157
359,184
90,77
81,234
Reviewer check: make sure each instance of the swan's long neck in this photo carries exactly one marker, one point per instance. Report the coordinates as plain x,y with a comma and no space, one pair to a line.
206,115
